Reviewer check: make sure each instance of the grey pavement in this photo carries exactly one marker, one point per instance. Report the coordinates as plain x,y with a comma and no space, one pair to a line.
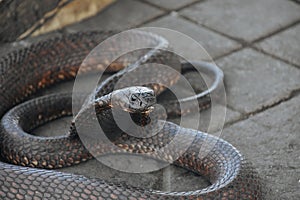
257,45
215,44
284,45
242,19
254,80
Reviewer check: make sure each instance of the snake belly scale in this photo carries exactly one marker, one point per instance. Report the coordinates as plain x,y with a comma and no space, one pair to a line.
29,70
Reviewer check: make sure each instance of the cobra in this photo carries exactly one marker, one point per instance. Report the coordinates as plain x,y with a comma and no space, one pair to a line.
52,61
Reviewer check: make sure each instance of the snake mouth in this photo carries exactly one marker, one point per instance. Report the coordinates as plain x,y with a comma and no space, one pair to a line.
148,110
141,111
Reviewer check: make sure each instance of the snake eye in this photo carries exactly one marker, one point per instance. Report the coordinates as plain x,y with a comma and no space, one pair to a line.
133,98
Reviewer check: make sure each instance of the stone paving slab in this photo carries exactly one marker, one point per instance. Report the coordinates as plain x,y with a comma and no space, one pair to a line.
215,44
271,141
254,80
285,45
243,19
171,5
118,16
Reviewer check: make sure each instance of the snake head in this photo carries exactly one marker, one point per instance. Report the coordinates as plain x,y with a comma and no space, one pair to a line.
134,99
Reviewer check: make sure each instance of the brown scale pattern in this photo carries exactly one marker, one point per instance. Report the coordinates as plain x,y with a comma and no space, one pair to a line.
46,63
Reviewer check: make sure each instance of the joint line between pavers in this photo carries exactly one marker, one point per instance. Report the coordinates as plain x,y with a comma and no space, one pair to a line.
277,31
170,10
274,56
246,116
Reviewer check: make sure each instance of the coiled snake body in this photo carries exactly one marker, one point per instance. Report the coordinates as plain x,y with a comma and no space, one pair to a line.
46,63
